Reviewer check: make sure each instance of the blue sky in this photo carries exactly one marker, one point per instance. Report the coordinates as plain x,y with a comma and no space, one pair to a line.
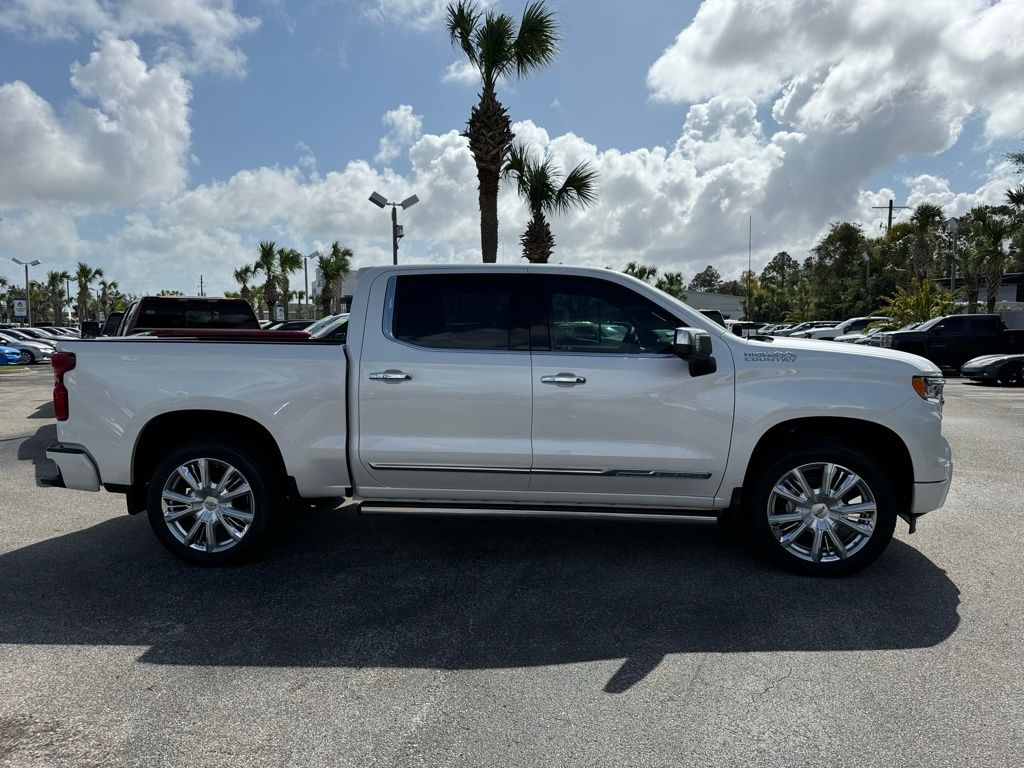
185,139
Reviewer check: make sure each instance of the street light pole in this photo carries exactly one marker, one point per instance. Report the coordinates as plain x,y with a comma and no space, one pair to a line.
28,288
397,232
305,272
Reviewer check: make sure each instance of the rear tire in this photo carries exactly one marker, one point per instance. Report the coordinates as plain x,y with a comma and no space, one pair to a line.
1012,375
211,503
835,521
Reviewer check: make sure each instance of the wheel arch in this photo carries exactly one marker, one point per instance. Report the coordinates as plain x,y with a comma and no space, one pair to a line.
162,433
871,438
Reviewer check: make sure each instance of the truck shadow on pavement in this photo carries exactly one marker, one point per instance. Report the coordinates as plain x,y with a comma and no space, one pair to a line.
343,590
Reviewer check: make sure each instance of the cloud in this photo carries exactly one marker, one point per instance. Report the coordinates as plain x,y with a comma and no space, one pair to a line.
403,128
197,34
461,71
124,140
419,15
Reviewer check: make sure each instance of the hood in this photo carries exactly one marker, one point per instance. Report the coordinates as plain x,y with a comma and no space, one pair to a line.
879,356
986,359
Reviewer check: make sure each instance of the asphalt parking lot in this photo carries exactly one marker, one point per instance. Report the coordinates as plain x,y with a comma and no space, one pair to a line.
373,641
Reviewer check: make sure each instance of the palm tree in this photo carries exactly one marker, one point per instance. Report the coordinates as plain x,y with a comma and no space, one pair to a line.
266,263
925,222
497,47
540,187
288,260
5,297
242,276
643,272
334,267
991,233
55,282
673,284
84,276
1015,199
107,289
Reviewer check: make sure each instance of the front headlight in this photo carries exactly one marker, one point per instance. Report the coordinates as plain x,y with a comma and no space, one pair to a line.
929,387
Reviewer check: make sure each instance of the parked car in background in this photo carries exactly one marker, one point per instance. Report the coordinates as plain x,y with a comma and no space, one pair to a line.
951,341
289,325
111,323
715,315
45,336
186,313
31,351
877,338
853,325
9,356
808,325
1007,369
744,328
336,330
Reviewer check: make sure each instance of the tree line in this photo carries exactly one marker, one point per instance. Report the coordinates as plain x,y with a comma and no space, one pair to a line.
275,264
54,302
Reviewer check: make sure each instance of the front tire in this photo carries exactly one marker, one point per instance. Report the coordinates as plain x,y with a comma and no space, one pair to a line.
27,358
211,503
823,510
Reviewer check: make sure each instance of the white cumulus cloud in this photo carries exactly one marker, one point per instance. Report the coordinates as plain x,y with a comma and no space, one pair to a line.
403,128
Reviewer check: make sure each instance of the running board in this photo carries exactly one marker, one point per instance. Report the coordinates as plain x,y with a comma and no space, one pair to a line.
567,513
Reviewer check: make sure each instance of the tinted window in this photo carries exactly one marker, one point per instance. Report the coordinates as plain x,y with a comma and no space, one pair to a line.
194,313
597,316
461,311
952,325
986,324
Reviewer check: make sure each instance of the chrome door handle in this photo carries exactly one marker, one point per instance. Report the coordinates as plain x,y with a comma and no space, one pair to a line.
391,376
563,378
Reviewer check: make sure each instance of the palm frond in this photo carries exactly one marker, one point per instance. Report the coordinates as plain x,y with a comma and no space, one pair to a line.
494,39
1015,197
579,190
461,20
536,44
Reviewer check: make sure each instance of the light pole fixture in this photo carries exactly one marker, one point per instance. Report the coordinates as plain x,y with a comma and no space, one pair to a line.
28,288
305,272
397,231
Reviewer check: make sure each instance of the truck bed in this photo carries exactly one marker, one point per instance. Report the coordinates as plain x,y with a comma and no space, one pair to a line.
294,391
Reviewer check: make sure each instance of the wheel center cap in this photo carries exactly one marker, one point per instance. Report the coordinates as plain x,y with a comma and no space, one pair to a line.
820,511
210,502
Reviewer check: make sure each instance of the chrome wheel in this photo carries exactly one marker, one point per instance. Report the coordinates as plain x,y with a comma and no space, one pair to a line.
822,512
26,357
207,505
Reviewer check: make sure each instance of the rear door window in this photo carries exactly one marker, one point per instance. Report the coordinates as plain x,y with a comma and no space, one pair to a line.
464,312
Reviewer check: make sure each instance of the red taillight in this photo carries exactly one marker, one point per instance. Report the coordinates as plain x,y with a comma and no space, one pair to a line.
62,362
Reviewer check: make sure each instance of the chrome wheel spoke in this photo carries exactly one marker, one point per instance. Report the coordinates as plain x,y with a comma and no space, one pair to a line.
793,535
827,475
787,494
235,493
226,522
171,516
786,517
844,487
861,528
211,535
837,543
856,509
179,498
237,514
816,545
188,477
225,480
204,473
804,485
193,531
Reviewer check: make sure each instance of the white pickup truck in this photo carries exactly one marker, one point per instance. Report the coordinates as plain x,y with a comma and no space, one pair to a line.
509,390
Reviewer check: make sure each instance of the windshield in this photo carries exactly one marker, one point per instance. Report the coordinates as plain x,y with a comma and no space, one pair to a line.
323,322
928,323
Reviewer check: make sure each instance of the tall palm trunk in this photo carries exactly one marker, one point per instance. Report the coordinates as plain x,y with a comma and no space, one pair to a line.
538,242
490,140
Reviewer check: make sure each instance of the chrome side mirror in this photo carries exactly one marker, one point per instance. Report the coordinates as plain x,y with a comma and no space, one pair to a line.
691,342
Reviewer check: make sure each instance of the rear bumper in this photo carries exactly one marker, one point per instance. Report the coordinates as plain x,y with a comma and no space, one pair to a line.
77,469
